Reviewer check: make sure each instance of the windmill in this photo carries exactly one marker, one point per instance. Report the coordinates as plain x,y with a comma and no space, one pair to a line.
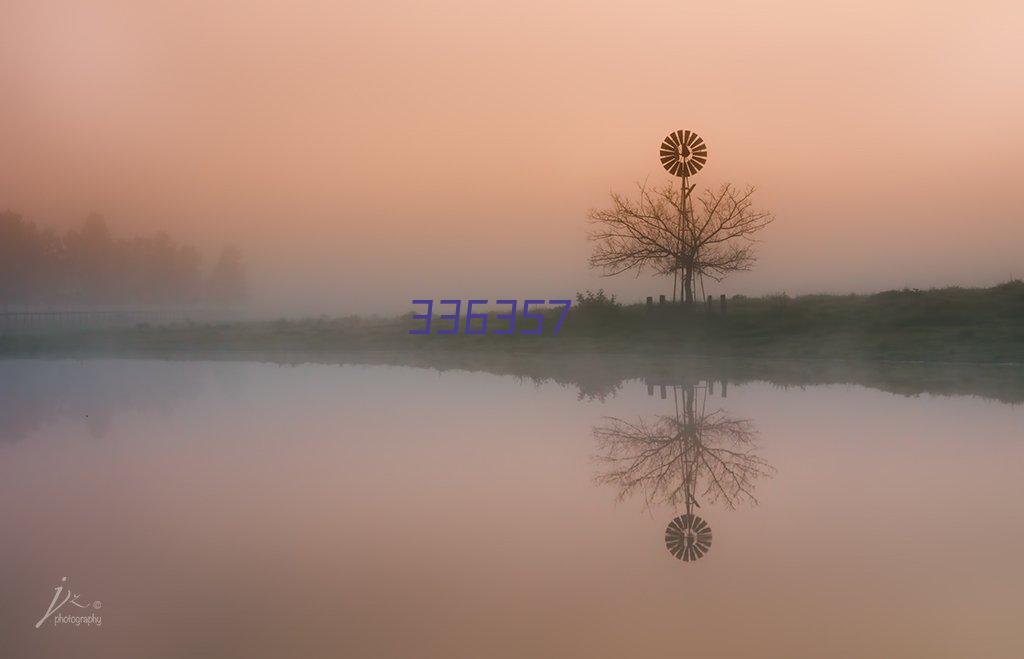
680,460
683,154
688,537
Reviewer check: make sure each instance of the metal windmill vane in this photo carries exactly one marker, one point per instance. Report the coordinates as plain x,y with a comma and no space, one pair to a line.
683,153
688,537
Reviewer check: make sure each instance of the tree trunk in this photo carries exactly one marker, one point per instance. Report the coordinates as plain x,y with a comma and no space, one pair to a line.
688,286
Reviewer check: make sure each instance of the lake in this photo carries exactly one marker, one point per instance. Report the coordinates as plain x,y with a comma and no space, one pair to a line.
234,508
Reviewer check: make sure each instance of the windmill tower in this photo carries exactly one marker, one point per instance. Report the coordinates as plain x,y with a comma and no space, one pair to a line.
683,154
688,537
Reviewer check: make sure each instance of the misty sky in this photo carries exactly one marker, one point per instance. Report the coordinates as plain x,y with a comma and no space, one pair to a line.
364,153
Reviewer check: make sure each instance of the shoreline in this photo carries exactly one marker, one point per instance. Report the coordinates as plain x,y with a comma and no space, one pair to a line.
598,375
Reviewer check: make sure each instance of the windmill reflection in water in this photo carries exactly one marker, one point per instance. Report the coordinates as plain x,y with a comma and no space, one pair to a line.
676,460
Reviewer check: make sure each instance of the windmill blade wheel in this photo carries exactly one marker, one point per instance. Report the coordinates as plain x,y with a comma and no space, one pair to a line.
688,537
683,153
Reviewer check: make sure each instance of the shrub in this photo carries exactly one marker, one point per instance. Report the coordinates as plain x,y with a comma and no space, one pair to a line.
599,301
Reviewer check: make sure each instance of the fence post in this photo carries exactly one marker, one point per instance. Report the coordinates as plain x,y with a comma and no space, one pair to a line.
722,299
661,300
710,308
650,304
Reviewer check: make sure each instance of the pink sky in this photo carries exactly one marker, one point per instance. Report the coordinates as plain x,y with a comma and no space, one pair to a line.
366,153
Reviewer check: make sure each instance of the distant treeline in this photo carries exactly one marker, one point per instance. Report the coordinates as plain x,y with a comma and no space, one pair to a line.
87,265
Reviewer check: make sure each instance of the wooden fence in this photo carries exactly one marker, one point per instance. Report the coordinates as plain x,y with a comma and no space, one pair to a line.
39,322
663,304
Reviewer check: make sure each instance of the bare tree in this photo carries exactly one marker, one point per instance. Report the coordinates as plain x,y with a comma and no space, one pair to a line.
674,460
88,264
656,230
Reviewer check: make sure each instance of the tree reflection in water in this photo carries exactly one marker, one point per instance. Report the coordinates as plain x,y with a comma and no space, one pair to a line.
675,460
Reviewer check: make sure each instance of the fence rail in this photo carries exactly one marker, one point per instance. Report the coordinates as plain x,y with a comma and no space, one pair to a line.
664,305
31,322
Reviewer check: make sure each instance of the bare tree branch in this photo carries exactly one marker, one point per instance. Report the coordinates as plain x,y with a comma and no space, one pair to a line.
672,460
649,232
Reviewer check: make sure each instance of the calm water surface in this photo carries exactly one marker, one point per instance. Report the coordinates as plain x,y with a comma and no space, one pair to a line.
245,509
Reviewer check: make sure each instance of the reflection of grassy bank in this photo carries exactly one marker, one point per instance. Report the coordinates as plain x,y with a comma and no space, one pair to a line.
601,375
947,325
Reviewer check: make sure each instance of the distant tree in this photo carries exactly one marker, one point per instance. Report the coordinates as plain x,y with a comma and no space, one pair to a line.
88,265
15,259
30,260
164,270
92,262
226,283
188,270
714,238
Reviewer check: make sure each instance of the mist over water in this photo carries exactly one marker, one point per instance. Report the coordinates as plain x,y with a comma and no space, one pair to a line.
395,512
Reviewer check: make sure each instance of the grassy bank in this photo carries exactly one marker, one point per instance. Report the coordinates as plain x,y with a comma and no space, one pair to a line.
941,325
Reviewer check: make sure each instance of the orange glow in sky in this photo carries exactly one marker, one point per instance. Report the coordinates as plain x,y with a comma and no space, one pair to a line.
362,154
